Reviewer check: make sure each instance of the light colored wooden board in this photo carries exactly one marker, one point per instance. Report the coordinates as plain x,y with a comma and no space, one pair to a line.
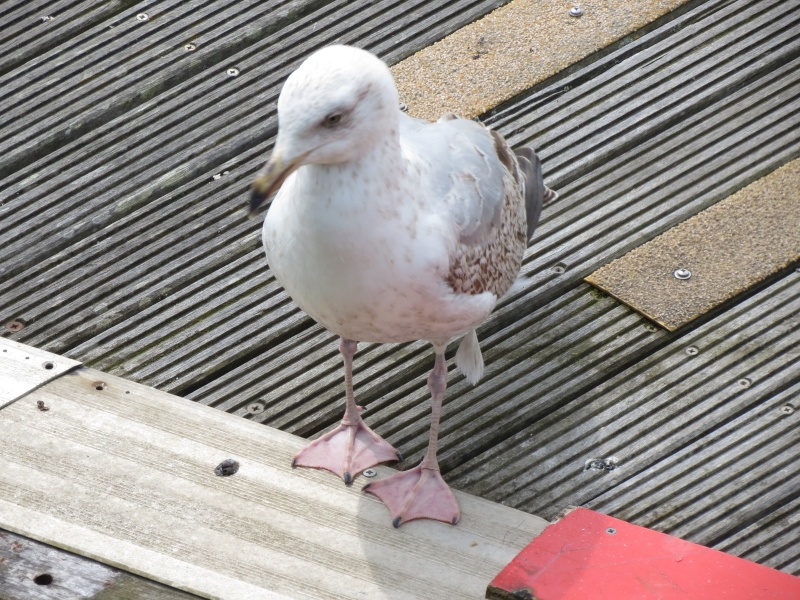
751,235
23,368
125,475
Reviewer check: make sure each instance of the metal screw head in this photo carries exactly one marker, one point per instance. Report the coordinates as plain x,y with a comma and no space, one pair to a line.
575,11
611,531
787,409
369,473
744,382
233,72
559,268
142,17
256,408
190,47
403,107
601,464
692,350
682,274
15,325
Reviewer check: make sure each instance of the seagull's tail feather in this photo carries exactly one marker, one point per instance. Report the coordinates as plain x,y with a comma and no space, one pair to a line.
537,194
469,358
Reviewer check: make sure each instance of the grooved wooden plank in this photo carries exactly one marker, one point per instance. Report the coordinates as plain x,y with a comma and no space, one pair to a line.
32,28
710,159
23,368
127,62
189,132
702,440
30,570
123,63
573,215
125,474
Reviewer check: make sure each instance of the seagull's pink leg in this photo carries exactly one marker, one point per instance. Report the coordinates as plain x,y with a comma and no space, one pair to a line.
421,493
352,446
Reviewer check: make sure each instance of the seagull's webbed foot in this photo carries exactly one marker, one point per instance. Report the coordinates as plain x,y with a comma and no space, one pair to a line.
347,450
419,493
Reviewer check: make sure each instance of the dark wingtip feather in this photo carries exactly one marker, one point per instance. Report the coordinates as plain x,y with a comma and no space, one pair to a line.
535,190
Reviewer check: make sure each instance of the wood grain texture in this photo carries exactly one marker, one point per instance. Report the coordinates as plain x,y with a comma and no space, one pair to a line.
126,246
702,440
23,368
31,570
125,475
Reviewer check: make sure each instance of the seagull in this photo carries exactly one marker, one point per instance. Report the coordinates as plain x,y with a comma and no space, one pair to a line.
388,229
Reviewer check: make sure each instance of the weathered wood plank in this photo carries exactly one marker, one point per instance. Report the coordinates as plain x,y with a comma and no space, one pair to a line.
33,28
702,433
125,474
31,570
23,368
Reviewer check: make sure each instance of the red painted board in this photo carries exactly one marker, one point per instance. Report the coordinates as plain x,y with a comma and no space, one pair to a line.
590,556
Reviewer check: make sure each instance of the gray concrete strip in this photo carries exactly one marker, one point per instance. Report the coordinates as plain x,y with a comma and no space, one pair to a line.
713,256
513,48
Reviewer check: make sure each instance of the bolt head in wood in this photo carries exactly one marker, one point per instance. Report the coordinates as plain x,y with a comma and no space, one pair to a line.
256,408
682,274
575,11
142,17
15,325
369,473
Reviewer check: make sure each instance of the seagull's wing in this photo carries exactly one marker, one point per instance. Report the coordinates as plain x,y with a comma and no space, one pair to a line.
469,170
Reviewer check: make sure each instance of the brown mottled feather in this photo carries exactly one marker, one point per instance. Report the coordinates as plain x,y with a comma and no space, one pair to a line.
493,266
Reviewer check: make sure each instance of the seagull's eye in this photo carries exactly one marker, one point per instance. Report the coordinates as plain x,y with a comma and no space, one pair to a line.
333,119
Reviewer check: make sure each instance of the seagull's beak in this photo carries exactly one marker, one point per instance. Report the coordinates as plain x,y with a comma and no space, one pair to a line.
269,179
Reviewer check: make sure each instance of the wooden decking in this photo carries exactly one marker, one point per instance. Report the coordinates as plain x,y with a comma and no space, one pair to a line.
124,474
127,148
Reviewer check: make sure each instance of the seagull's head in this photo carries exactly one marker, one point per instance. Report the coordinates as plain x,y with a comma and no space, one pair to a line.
334,108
